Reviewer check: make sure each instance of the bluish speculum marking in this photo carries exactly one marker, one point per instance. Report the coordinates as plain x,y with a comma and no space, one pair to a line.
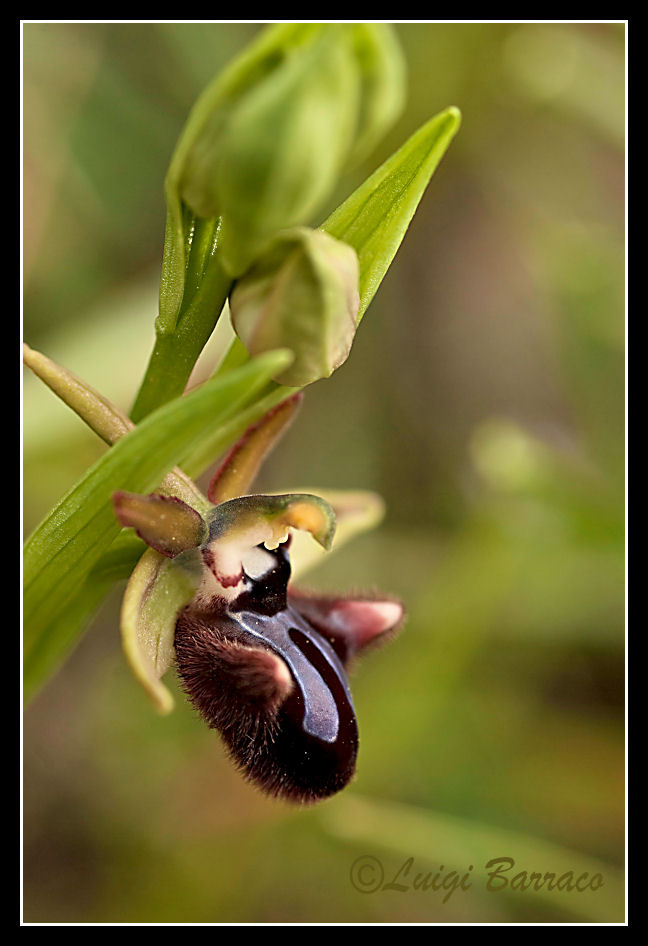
321,718
301,745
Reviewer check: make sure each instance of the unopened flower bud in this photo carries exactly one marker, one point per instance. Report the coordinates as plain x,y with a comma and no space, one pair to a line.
301,294
266,141
192,185
382,77
270,152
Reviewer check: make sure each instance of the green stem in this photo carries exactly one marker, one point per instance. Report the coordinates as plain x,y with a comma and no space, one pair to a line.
174,355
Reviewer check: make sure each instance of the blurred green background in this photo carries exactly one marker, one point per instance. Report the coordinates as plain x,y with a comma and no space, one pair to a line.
484,399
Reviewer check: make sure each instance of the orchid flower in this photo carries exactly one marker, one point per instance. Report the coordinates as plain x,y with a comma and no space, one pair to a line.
263,662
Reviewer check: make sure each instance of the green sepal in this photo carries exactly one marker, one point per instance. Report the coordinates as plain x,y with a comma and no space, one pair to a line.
165,523
157,591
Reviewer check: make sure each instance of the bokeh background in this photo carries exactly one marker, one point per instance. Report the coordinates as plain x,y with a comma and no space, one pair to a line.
484,399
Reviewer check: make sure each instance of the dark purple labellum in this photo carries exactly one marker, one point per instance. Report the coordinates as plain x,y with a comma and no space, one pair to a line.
274,687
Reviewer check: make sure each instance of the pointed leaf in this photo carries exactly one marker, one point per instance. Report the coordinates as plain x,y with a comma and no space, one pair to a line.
375,218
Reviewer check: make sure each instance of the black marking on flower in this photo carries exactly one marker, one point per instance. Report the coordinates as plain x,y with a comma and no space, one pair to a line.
275,689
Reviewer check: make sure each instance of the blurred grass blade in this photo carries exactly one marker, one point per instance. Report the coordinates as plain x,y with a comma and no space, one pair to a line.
374,219
432,838
158,589
62,550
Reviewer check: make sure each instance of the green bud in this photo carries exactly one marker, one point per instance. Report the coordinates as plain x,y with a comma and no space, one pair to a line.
262,147
194,164
190,187
265,143
283,148
301,294
383,79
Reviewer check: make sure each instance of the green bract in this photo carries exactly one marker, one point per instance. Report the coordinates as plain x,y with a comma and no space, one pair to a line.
302,294
307,291
375,218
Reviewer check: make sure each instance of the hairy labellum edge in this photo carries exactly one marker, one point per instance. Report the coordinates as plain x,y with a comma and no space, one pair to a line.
277,693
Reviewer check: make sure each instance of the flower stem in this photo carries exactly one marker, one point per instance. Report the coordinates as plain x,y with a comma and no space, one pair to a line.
175,354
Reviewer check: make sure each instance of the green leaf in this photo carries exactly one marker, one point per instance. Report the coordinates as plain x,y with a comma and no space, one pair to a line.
116,564
212,446
375,218
63,549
